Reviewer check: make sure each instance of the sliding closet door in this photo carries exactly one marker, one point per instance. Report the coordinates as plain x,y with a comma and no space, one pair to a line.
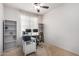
34,22
9,35
25,22
28,22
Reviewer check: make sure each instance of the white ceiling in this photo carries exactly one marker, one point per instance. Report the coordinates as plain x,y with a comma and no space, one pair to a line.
30,8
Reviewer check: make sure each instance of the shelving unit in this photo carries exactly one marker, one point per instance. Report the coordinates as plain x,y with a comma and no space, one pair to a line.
41,34
9,34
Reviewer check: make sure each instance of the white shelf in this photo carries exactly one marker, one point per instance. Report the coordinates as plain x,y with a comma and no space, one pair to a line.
10,30
10,24
6,49
9,34
9,41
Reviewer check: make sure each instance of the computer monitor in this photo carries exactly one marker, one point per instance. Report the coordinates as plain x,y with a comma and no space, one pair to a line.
35,30
28,30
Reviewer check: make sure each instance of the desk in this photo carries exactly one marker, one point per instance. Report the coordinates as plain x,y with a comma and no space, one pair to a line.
29,46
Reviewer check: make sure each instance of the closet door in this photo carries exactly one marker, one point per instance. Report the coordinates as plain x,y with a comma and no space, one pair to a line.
9,35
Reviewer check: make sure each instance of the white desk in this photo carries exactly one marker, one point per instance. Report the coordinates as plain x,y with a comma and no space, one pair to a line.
30,46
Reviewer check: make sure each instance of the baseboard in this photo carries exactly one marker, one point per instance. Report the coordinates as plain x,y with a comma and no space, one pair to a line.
70,51
73,52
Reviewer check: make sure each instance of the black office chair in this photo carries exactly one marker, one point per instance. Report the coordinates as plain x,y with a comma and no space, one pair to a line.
26,38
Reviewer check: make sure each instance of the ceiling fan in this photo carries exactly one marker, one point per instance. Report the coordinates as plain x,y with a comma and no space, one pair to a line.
38,6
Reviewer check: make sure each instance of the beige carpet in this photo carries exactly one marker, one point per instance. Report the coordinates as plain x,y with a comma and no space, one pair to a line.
43,50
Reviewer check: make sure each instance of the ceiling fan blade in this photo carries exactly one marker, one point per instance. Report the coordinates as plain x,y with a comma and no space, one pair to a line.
45,7
36,4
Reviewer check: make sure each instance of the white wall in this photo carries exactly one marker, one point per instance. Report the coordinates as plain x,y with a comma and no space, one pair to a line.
61,27
1,27
13,14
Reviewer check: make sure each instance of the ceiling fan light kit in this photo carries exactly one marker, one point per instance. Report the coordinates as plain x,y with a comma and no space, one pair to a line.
39,5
